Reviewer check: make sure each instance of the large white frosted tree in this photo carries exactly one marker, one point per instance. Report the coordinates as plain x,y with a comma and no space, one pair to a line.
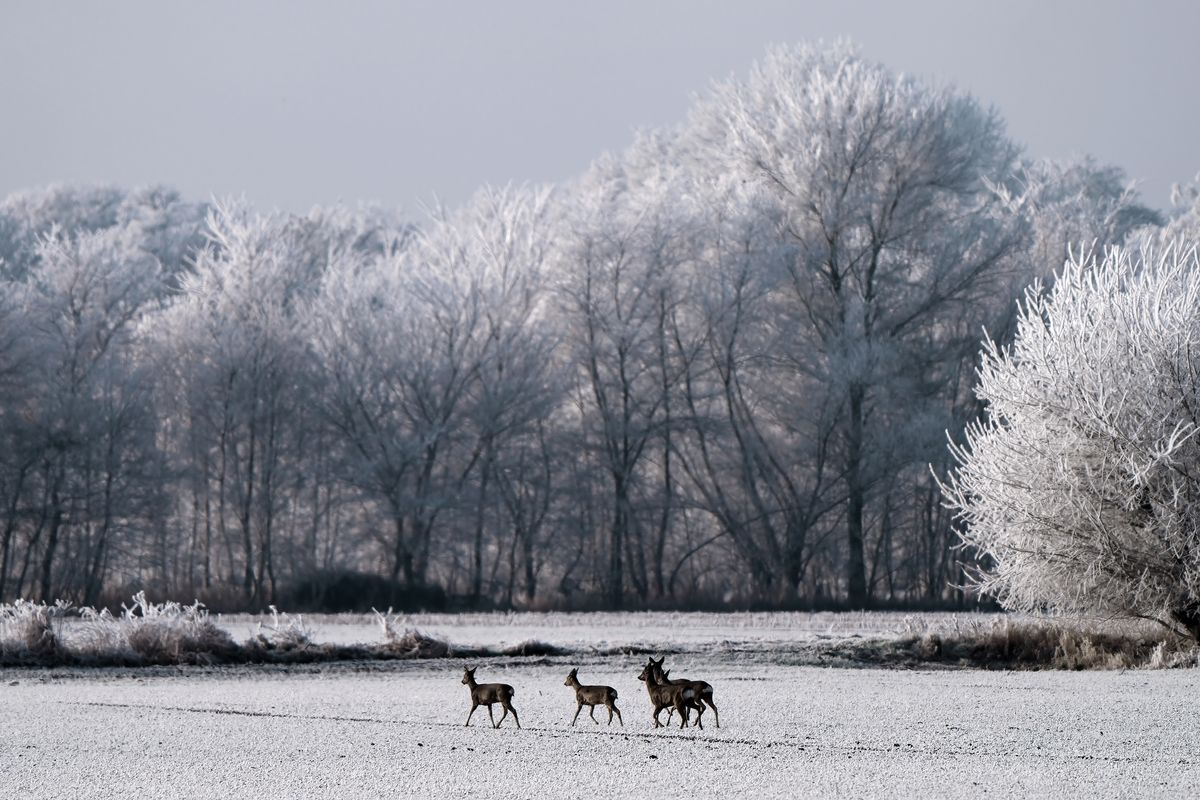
890,236
1081,487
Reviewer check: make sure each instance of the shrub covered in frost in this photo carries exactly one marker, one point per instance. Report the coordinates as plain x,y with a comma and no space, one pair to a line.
172,633
1081,488
285,632
27,631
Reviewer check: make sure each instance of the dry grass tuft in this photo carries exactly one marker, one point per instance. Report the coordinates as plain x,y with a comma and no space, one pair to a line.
27,633
285,633
533,647
414,644
1055,644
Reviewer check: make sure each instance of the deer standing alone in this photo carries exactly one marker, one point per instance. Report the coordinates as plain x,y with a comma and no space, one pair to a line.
702,690
665,695
592,696
485,694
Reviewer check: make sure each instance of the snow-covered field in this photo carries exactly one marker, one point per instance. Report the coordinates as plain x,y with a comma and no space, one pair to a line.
367,729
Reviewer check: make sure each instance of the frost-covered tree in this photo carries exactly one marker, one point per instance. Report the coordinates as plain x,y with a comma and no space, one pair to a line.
1183,218
1078,200
881,190
1081,487
232,351
168,227
83,468
430,358
626,257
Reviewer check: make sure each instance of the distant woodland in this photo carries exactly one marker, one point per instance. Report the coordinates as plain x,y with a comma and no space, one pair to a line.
720,368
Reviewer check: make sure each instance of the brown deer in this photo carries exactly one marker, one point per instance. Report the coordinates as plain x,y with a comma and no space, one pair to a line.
663,695
485,694
702,690
592,696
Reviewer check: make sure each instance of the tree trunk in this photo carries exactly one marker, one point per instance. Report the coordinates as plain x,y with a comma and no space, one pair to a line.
528,560
856,577
249,584
616,555
51,546
402,557
10,526
480,515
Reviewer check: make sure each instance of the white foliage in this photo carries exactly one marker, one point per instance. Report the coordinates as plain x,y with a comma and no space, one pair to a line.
1080,487
429,351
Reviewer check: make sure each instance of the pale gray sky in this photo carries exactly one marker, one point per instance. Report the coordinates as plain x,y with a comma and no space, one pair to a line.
303,103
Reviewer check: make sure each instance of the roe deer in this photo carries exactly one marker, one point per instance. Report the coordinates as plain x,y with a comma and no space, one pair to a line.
592,696
702,690
485,694
664,695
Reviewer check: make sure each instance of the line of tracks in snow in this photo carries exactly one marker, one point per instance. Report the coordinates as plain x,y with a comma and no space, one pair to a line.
663,737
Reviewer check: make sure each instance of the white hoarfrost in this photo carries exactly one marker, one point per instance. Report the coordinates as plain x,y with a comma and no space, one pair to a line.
1079,489
785,732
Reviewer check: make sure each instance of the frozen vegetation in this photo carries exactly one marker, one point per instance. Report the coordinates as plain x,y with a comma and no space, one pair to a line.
147,634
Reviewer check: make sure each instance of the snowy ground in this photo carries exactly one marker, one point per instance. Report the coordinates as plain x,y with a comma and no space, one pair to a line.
395,728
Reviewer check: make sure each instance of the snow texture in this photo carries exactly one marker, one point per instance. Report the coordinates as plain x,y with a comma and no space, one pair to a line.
355,729
786,731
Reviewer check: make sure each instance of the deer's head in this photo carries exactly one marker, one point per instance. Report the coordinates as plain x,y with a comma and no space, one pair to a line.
468,675
571,678
656,667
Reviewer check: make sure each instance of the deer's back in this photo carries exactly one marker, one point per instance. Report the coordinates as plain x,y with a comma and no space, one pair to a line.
699,687
666,694
493,692
596,694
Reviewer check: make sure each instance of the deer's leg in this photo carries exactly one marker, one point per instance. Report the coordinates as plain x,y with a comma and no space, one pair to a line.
514,713
578,708
683,715
502,716
708,699
611,709
472,711
491,716
592,713
657,710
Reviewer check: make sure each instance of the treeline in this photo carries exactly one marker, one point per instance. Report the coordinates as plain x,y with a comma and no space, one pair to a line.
719,367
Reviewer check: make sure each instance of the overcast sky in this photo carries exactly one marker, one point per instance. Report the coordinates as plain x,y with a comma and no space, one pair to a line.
302,103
